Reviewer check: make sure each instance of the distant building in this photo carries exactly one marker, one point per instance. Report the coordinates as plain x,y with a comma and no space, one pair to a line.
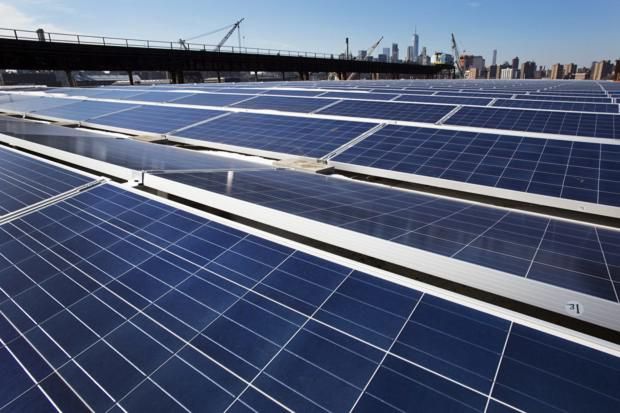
424,58
494,61
362,54
557,71
492,73
569,71
582,75
602,70
394,52
416,43
411,57
472,73
386,52
528,70
515,64
441,58
617,72
506,73
382,57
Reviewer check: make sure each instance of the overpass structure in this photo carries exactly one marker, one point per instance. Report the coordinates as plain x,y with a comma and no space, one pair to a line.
37,50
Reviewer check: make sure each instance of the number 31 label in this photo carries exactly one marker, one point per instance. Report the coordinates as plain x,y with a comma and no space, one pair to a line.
574,308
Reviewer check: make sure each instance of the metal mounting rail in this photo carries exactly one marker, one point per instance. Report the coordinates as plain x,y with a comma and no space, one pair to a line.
353,142
49,201
448,115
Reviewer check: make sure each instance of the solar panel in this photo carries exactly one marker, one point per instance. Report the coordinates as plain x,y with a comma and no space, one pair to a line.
569,255
389,110
19,104
288,104
564,98
24,181
82,110
456,100
156,119
125,153
211,99
282,134
580,171
353,95
163,309
564,123
158,96
293,92
562,106
476,94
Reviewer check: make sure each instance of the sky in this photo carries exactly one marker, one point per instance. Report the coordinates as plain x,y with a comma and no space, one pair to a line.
546,31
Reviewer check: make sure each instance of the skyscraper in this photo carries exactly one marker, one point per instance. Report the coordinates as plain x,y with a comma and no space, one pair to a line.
494,57
394,52
423,57
557,71
411,57
416,43
386,52
602,70
528,70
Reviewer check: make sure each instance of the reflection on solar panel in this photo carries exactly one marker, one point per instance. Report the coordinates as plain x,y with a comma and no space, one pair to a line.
83,110
283,134
125,153
24,181
211,99
569,255
389,110
572,106
29,105
352,95
288,104
572,170
564,123
166,310
158,96
456,100
156,119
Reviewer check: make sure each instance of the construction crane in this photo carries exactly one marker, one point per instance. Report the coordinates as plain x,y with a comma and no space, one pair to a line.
232,27
369,53
457,57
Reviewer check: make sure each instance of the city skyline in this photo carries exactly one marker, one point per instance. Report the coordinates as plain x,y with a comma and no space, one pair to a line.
479,26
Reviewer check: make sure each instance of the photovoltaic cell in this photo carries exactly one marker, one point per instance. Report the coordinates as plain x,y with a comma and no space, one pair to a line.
25,181
565,98
20,104
158,96
562,106
564,123
569,255
352,95
166,310
287,104
293,92
82,110
156,119
580,171
389,110
284,134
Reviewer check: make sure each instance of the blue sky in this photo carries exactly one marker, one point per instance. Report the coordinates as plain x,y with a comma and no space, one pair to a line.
545,31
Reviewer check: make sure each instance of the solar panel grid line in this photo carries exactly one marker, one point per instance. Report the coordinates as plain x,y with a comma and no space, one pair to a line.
499,365
448,115
604,254
223,115
328,105
399,254
353,142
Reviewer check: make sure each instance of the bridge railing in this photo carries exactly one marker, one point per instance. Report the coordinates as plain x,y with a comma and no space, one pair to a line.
42,36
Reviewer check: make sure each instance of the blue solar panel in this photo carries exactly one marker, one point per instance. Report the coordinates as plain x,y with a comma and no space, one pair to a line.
389,110
288,104
353,95
19,104
127,153
25,181
477,94
83,110
564,98
284,134
572,170
158,96
156,119
569,255
163,310
564,123
562,106
291,92
211,99
456,100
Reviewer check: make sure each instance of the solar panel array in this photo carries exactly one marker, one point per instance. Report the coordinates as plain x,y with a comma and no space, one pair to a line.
120,301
